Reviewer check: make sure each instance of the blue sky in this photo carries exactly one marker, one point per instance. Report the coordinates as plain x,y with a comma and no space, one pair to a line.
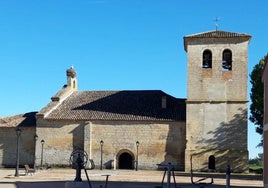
113,45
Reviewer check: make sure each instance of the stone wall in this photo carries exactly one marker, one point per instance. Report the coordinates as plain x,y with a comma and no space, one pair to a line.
224,138
61,139
211,84
8,146
159,142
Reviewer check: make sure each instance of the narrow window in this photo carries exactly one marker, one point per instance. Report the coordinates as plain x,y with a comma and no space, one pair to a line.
207,59
74,84
211,162
227,60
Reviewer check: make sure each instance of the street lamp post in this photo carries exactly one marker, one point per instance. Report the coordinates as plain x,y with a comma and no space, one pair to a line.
101,145
42,143
137,156
18,132
35,139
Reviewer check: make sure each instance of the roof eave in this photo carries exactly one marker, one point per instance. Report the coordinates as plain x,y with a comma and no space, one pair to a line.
229,35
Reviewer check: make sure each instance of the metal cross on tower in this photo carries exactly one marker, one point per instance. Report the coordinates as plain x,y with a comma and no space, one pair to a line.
216,20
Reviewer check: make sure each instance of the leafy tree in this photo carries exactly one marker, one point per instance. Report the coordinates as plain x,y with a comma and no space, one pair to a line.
256,165
258,161
256,96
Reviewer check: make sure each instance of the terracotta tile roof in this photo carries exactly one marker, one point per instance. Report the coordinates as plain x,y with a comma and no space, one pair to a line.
120,105
216,35
22,120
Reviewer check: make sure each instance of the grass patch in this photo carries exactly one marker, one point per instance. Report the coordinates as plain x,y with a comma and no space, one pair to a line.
255,169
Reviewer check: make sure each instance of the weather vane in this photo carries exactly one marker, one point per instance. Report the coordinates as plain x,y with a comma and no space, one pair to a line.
216,20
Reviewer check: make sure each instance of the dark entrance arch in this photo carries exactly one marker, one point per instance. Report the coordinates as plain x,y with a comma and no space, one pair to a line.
125,161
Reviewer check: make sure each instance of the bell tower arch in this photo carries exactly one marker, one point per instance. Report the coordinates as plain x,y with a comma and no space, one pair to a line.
216,122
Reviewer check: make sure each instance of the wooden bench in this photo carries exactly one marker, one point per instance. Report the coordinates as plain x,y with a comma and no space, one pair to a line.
28,170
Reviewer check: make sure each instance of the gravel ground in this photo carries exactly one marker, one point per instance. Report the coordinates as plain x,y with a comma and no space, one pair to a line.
117,178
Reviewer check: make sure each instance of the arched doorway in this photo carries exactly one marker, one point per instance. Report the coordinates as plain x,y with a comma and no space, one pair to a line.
125,161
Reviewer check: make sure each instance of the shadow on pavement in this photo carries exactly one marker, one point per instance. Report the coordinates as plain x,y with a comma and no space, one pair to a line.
113,184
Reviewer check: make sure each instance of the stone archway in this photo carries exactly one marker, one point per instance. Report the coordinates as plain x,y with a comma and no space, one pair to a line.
125,159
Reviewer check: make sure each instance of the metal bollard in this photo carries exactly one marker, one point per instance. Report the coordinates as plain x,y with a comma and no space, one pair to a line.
228,174
169,166
79,166
169,171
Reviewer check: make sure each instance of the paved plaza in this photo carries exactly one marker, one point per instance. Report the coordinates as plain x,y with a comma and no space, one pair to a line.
118,179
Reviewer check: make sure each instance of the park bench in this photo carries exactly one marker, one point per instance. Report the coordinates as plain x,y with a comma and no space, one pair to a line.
28,170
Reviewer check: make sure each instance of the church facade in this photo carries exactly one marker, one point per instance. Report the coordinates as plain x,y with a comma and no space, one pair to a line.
144,128
116,128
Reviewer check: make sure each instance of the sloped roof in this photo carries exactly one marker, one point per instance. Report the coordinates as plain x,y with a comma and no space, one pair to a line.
21,120
216,34
143,105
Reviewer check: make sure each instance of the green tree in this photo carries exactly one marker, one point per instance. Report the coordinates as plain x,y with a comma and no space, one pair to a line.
256,96
258,161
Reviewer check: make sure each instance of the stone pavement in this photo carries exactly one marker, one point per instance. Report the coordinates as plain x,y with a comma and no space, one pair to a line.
118,179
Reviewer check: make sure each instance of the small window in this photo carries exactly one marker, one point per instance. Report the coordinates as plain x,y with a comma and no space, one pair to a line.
74,84
207,59
211,162
227,60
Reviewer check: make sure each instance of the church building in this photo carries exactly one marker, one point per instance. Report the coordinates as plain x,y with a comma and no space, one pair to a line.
140,129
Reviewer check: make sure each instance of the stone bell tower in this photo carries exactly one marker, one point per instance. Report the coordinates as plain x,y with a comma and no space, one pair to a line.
216,122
